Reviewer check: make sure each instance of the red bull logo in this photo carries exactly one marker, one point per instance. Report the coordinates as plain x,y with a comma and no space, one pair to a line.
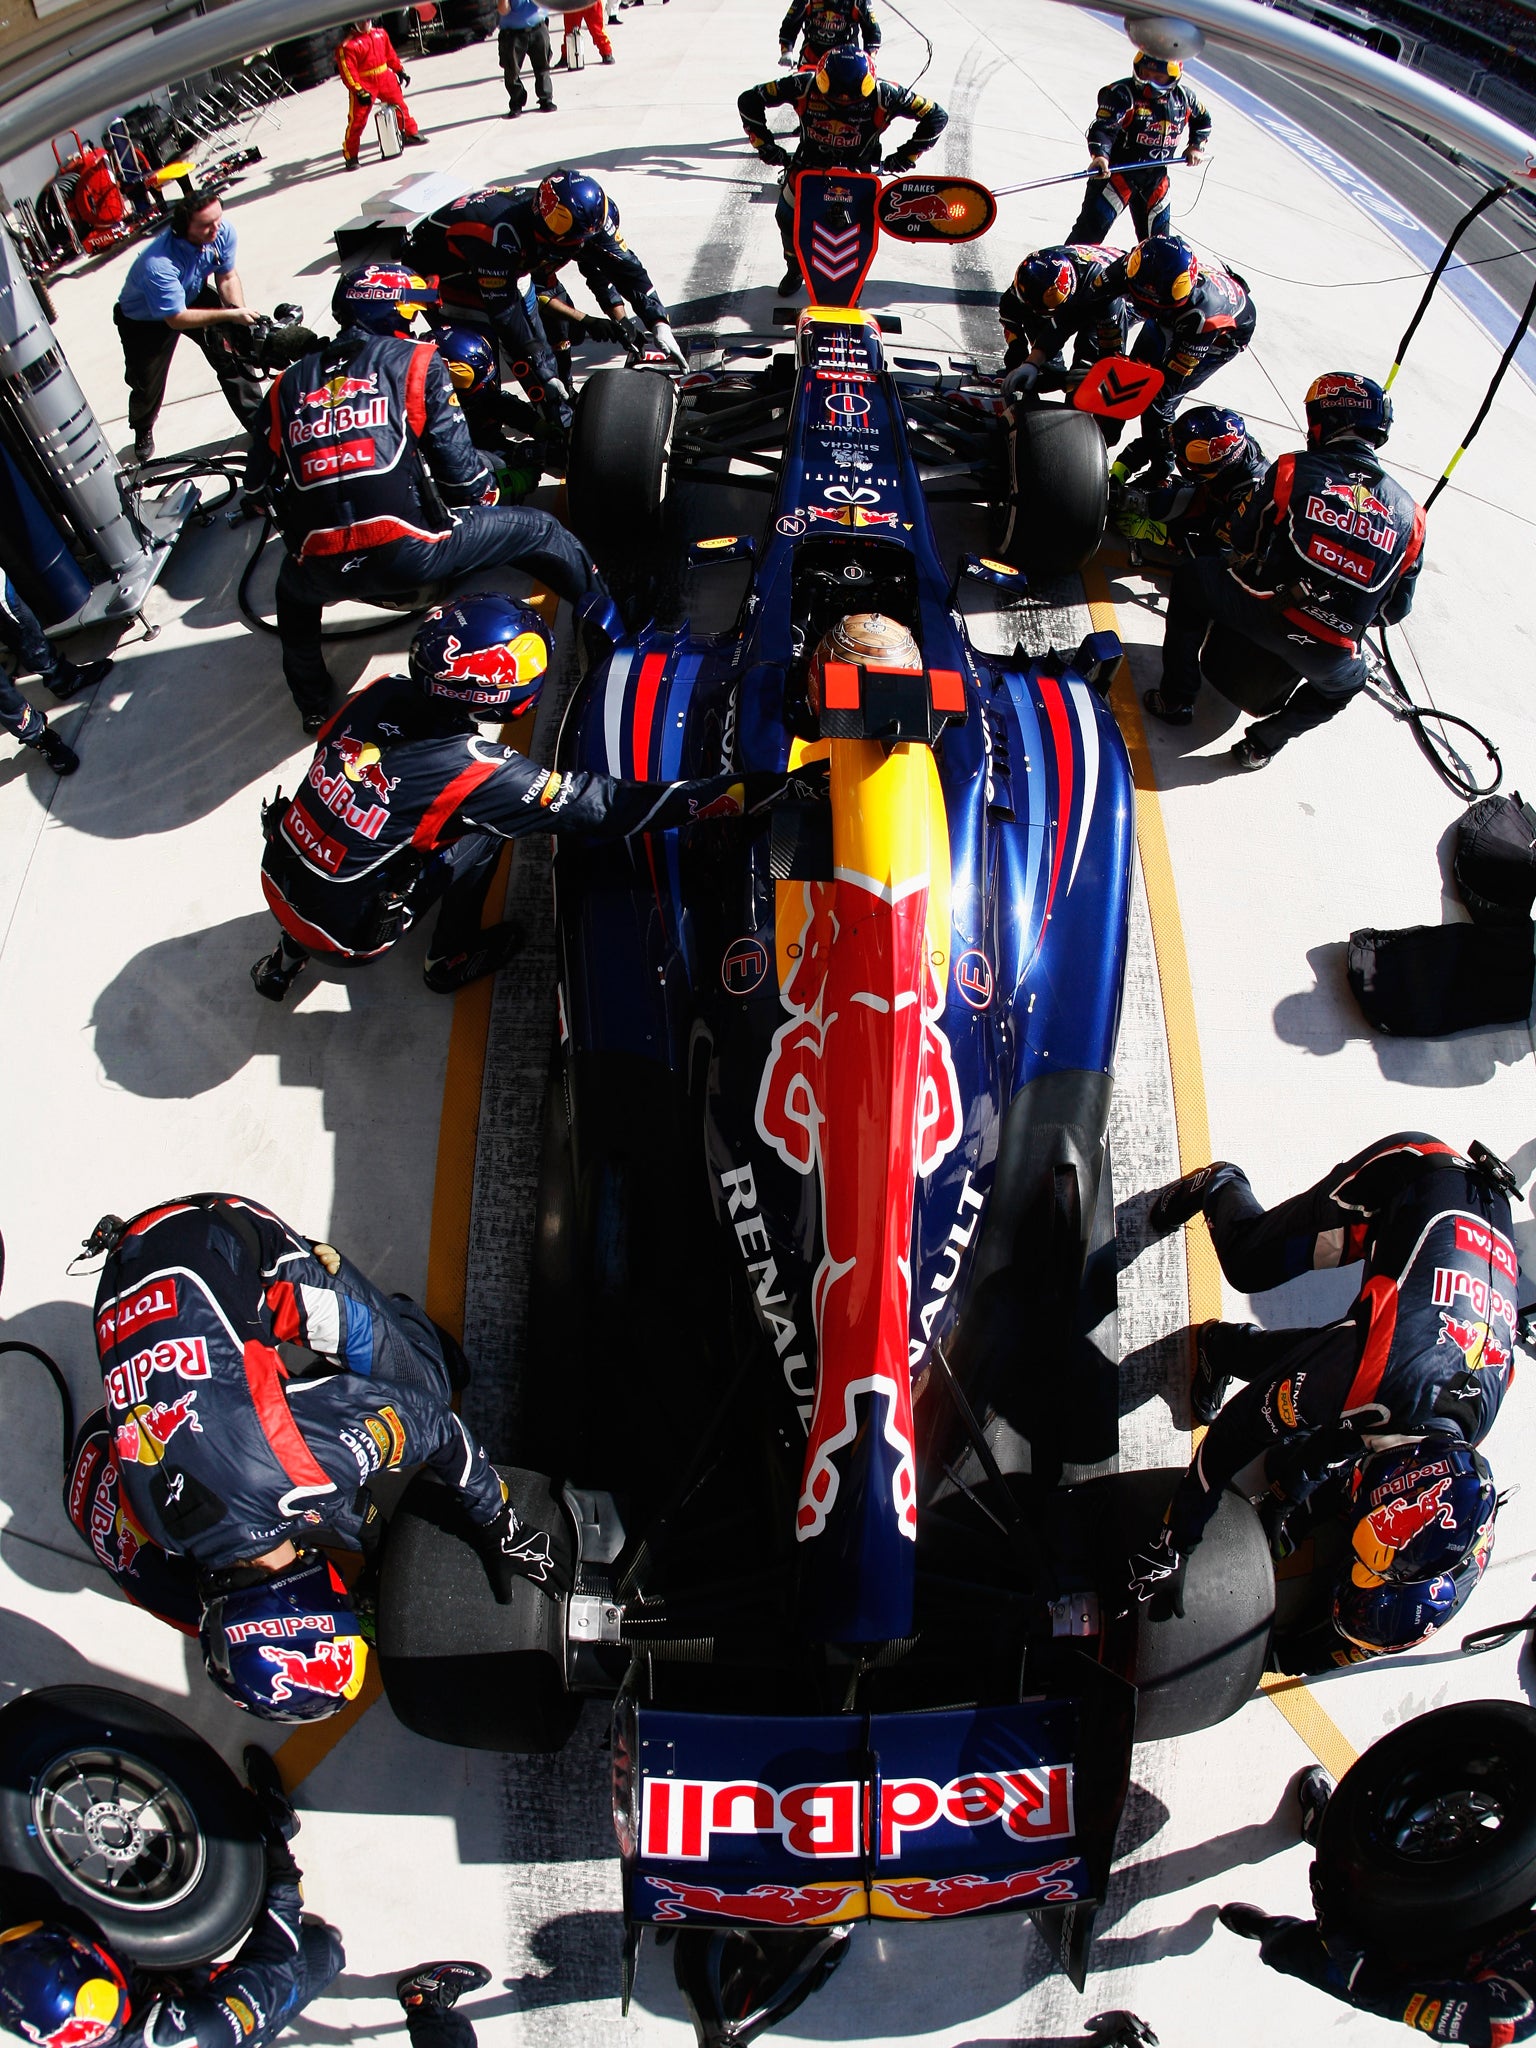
774,1905
187,1357
1061,286
333,1668
141,1437
336,793
1452,1286
922,206
492,674
78,2031
935,1898
1381,1534
340,390
1354,510
360,761
1475,1341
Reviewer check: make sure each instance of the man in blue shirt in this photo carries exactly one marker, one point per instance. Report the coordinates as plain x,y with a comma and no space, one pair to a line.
183,282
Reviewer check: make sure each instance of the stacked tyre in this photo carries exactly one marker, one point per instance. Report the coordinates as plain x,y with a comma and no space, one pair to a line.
468,21
307,60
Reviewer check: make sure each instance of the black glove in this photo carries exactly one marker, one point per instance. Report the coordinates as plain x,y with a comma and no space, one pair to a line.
599,327
1022,382
404,77
1149,1565
364,100
632,332
763,788
510,1549
772,153
898,165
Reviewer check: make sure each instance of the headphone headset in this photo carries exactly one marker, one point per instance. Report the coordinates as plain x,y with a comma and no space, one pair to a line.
185,207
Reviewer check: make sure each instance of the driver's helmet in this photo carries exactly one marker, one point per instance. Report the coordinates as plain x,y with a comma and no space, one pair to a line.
1160,273
1161,73
383,298
58,1990
1045,281
485,652
571,208
1207,440
1341,403
1421,1541
284,1645
845,77
470,358
865,640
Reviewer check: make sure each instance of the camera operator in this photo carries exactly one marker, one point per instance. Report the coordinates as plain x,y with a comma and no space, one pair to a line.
183,282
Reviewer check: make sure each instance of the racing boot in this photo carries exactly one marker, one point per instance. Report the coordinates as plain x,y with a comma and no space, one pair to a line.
68,679
791,282
1182,1199
436,1986
1208,1388
58,753
1249,754
276,972
1314,1789
1251,1922
1165,708
457,970
278,1818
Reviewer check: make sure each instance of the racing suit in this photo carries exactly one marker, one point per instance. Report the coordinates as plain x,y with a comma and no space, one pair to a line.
405,804
285,1962
829,25
1028,333
378,489
832,135
1136,125
1489,2002
1427,1346
209,1449
371,71
1328,544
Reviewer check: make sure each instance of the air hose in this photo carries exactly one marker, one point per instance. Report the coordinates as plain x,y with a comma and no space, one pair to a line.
66,1399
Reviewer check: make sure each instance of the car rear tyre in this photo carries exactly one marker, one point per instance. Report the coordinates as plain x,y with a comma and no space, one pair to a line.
1430,1839
1060,490
457,1667
133,1820
1193,1669
616,478
1256,679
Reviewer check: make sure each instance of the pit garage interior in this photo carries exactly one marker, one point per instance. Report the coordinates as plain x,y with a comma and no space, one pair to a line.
405,1129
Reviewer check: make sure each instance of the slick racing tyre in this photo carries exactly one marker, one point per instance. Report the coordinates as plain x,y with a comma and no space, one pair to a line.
131,1819
1256,679
1193,1669
457,1667
1059,502
1430,1839
616,477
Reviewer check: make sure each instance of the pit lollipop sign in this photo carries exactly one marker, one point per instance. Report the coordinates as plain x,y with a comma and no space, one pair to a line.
935,209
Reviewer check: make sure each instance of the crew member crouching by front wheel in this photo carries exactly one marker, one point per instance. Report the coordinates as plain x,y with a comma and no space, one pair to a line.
406,805
375,484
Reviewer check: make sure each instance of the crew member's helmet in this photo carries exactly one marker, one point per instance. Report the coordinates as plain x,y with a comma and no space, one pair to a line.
471,360
1044,282
1207,440
845,77
288,1645
1422,1540
384,298
1158,72
1342,405
865,640
59,1990
1160,273
571,208
484,651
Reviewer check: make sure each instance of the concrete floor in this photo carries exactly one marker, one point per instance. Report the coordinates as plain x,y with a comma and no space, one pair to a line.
142,1063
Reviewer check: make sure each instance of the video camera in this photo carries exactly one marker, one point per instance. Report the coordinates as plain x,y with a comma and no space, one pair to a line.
272,342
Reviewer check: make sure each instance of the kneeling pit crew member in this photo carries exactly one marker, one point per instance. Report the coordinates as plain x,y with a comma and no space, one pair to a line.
406,805
843,110
1425,1352
1037,319
1219,466
375,484
60,1981
212,1471
1327,545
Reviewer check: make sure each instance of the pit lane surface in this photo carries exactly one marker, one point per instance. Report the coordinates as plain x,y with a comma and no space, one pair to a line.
139,1059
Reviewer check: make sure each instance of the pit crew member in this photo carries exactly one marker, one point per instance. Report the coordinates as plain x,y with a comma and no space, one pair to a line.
1219,465
827,25
371,70
843,110
406,805
26,645
1036,316
1426,1351
60,1982
219,1459
1327,545
1150,117
1486,2000
374,482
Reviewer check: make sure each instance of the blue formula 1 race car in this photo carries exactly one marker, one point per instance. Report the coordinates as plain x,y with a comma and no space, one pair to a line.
823,1355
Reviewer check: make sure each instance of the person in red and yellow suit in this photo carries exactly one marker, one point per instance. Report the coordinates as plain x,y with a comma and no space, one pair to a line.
371,71
591,19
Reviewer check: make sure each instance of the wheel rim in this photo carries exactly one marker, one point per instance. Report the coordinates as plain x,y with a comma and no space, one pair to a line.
118,1829
1452,1813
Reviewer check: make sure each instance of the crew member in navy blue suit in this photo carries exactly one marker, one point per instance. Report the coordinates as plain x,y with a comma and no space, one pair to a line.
376,485
1150,117
27,646
1327,545
827,25
1427,1347
61,1983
